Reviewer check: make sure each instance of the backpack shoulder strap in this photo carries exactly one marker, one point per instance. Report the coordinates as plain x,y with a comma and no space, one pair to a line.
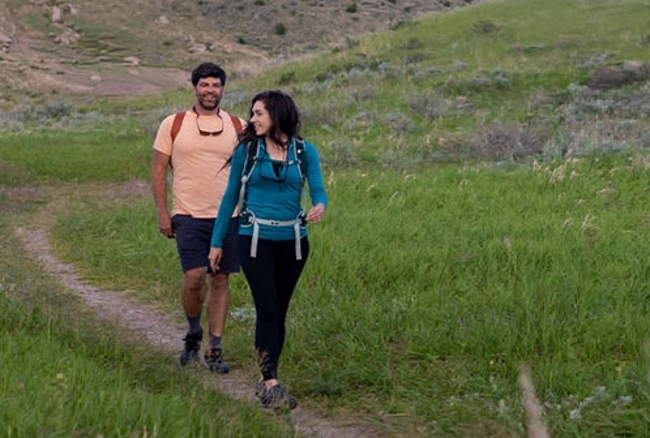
301,156
178,121
249,164
236,123
176,126
251,158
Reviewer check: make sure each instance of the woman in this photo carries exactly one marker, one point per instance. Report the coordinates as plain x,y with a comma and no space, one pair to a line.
267,175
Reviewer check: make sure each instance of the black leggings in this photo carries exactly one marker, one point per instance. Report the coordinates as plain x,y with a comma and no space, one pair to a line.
272,277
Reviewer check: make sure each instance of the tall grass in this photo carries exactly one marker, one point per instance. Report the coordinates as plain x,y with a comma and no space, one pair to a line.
426,292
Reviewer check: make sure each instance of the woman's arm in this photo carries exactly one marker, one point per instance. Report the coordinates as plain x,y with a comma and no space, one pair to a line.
230,197
316,188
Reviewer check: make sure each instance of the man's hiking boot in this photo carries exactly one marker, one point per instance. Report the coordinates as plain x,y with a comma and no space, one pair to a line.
192,348
278,399
214,361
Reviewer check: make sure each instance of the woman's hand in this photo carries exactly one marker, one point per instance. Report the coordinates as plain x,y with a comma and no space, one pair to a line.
316,213
215,258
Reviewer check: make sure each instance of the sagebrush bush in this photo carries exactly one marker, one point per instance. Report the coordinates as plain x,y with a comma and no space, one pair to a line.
485,26
363,119
363,93
341,154
482,81
431,106
598,135
606,78
508,141
325,116
398,121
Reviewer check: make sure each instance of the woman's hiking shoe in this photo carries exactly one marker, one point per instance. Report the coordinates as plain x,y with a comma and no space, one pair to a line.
259,388
277,398
214,361
192,348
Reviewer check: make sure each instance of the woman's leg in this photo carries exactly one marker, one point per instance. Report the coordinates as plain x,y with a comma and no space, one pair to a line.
272,277
287,274
260,275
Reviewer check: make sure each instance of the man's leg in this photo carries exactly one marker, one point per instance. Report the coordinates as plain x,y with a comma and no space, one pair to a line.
219,298
193,292
218,304
217,312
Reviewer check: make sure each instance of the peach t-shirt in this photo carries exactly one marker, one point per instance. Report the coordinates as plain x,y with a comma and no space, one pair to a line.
198,174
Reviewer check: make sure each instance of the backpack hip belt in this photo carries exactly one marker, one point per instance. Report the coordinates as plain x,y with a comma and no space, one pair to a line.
295,223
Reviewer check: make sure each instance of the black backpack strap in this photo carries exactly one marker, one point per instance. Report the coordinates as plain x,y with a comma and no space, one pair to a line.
301,156
252,151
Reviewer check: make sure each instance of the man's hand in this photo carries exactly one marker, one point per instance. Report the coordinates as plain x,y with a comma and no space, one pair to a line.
165,226
159,165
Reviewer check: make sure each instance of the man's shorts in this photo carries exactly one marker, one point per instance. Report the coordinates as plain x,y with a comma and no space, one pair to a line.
193,236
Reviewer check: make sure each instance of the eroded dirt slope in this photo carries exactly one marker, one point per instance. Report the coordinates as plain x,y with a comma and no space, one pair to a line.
120,47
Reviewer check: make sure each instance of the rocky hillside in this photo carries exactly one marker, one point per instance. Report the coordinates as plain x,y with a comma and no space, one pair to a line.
91,47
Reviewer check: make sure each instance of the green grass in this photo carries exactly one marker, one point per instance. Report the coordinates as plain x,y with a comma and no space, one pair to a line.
487,270
488,210
105,153
72,384
65,373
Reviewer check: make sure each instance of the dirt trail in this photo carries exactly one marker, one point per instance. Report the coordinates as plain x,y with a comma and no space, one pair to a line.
161,330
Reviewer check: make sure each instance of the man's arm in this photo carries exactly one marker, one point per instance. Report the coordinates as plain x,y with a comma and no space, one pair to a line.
159,165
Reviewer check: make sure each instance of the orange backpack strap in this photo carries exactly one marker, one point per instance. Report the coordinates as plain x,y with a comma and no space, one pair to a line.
236,123
176,126
178,121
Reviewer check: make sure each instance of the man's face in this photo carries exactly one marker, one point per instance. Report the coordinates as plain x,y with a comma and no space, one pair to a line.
208,92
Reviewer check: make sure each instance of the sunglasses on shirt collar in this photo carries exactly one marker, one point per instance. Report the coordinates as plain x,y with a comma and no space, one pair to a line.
207,133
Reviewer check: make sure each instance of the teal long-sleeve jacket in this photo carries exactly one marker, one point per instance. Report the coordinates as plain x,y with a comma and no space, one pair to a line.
273,192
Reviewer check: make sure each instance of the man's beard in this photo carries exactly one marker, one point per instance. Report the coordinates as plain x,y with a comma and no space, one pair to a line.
208,106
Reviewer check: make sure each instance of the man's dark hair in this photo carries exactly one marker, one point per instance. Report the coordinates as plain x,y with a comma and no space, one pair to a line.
208,70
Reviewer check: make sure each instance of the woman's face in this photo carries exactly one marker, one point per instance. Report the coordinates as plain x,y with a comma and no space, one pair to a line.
261,119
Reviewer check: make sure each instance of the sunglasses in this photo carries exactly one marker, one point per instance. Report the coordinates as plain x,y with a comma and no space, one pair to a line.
205,133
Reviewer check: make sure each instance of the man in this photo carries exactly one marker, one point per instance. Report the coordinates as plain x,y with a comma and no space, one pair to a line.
195,145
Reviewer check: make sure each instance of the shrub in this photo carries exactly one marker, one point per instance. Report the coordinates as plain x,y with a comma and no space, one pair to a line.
398,121
287,78
498,79
363,93
485,26
412,44
605,78
431,106
280,29
342,154
508,141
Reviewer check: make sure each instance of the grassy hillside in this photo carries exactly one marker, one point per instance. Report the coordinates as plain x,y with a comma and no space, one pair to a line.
488,176
501,82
